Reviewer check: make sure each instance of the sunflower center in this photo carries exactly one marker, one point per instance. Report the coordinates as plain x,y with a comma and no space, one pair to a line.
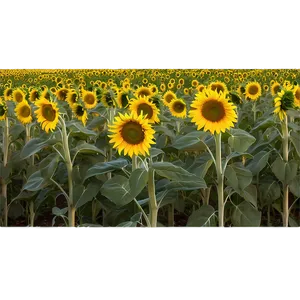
79,111
169,98
133,133
19,97
213,110
48,112
145,109
63,94
297,94
2,110
25,111
217,87
9,92
124,100
144,92
179,107
253,90
74,97
89,99
35,95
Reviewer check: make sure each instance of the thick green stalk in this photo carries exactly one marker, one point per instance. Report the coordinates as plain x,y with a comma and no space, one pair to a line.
220,179
5,160
153,208
134,162
254,111
285,152
68,161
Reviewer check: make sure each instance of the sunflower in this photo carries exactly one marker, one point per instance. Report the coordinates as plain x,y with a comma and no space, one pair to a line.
61,94
89,99
34,95
162,87
3,109
283,102
297,96
72,97
47,114
8,94
123,98
212,111
168,97
108,98
275,88
23,112
200,87
253,90
45,94
143,106
80,112
186,91
131,133
218,86
195,83
18,95
143,91
178,108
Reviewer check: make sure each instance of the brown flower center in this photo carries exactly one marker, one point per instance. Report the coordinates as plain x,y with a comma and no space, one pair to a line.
178,107
145,109
213,110
253,89
133,133
48,112
25,111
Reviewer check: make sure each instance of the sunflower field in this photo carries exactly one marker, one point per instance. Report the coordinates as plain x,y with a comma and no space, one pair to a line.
150,147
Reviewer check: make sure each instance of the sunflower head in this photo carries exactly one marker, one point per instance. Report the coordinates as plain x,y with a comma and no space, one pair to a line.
18,95
89,99
143,91
168,97
23,112
123,98
80,112
72,97
212,111
218,86
283,102
8,94
177,108
131,133
253,90
297,96
3,109
61,94
275,88
235,98
143,106
47,114
108,98
34,95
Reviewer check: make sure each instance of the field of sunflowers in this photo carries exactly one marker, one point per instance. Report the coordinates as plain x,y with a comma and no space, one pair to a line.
150,147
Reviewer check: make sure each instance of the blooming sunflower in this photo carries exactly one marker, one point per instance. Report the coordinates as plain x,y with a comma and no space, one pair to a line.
177,108
108,98
47,114
143,106
3,109
123,98
297,96
61,94
218,86
89,99
34,95
23,112
131,133
275,88
18,95
253,90
72,97
168,97
80,112
45,93
212,111
143,91
8,94
283,102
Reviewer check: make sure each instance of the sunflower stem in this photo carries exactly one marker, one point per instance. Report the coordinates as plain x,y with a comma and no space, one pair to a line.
153,207
254,111
177,127
220,179
68,161
5,149
134,162
285,152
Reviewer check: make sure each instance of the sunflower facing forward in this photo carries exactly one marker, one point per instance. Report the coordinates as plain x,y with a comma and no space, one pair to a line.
212,111
177,108
253,90
89,99
168,97
283,102
131,133
23,112
144,106
47,114
18,95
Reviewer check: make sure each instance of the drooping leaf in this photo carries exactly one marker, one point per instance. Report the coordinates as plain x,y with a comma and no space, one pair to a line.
204,216
245,214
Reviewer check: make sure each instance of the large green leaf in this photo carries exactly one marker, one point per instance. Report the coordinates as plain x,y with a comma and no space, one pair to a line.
295,186
204,216
269,192
87,148
105,167
35,145
240,140
238,177
295,139
258,162
191,141
88,194
285,171
137,181
245,214
35,182
186,185
76,128
172,172
250,194
117,189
